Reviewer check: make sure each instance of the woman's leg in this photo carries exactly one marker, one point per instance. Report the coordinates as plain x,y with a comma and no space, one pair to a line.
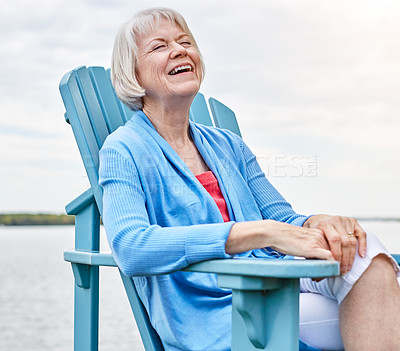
319,322
370,313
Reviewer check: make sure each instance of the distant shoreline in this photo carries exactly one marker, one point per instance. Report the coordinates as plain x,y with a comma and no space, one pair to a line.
29,219
383,219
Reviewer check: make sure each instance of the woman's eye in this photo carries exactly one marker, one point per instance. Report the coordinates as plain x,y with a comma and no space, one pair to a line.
158,47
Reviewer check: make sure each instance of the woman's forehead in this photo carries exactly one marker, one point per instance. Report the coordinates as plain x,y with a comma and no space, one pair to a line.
161,30
162,26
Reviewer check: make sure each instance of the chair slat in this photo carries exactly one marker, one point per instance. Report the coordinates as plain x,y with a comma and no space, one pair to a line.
224,117
199,111
124,110
79,120
104,93
93,108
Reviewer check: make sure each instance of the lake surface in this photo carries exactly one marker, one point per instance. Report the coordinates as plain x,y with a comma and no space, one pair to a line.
36,294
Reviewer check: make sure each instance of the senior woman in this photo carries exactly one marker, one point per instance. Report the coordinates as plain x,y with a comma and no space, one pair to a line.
176,193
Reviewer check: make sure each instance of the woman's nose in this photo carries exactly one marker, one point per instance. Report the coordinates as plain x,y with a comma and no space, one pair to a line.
177,50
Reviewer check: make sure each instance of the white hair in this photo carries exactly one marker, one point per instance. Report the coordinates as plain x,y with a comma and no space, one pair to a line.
124,56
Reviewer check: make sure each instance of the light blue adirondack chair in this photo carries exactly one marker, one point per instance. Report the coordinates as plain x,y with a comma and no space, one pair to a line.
265,292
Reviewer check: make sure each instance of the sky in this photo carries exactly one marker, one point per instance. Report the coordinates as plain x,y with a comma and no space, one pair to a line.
315,86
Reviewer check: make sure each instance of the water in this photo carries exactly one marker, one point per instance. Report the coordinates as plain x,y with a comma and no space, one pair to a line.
387,231
36,294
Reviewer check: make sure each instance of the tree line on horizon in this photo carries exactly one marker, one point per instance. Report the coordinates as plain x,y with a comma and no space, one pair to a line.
36,219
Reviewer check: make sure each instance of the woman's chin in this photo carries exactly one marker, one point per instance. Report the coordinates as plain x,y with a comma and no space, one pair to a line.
189,89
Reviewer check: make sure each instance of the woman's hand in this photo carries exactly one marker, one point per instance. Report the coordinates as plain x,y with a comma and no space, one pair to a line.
342,234
285,238
298,241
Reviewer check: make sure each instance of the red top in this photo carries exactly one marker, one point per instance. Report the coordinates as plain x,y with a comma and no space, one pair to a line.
210,183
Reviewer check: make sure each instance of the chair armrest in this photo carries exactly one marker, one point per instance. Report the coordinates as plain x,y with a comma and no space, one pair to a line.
91,258
274,268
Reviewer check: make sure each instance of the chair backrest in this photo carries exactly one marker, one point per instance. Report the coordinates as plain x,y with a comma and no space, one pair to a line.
94,111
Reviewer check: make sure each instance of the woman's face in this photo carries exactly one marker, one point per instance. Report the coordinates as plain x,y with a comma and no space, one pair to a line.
168,65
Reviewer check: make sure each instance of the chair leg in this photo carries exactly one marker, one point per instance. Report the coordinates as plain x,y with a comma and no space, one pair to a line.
86,310
265,313
86,313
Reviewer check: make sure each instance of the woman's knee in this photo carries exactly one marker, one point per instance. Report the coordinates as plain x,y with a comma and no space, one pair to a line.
381,267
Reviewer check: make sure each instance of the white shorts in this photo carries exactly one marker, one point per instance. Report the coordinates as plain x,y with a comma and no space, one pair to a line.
319,301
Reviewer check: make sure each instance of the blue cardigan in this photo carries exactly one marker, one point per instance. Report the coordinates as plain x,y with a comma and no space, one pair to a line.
159,219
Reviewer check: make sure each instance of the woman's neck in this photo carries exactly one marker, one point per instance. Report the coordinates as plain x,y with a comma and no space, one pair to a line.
172,123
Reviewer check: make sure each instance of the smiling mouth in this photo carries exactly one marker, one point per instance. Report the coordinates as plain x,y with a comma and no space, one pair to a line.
181,69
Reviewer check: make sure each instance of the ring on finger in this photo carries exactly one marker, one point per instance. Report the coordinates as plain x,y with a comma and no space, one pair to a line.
351,235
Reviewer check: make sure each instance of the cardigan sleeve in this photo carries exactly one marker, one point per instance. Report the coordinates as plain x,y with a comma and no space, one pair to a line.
142,248
270,202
